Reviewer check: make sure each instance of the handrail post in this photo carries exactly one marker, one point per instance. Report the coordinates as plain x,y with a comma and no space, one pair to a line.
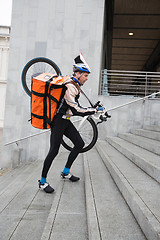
146,85
105,82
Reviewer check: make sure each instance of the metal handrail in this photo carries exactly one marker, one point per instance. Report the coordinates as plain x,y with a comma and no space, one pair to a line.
136,83
20,139
108,110
130,75
124,71
137,100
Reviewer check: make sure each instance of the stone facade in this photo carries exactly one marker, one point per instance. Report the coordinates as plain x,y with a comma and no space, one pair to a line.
4,54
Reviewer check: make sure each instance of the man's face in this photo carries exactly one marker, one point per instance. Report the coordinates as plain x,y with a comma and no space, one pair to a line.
83,78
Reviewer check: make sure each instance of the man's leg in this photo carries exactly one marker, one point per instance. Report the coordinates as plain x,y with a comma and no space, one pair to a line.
53,151
47,163
55,141
72,133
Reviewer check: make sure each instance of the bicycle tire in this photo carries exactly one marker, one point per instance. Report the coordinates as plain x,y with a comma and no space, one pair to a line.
37,66
93,134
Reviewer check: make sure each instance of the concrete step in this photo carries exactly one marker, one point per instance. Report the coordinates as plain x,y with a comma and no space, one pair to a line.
7,176
8,193
26,212
67,218
147,133
146,160
140,191
152,128
29,213
107,212
21,207
146,143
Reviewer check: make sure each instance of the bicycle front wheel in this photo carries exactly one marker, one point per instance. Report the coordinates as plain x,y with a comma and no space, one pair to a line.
88,131
37,66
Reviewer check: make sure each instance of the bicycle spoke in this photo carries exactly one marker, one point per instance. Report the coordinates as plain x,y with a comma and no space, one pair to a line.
88,132
37,66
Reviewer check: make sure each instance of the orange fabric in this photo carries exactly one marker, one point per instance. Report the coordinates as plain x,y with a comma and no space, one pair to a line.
47,92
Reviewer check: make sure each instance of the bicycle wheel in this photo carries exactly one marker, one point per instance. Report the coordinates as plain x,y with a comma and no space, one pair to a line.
37,66
88,131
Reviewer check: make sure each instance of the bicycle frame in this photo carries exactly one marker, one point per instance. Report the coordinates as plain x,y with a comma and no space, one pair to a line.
81,122
96,116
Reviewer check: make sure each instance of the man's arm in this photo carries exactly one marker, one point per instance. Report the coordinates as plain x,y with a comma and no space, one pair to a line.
76,109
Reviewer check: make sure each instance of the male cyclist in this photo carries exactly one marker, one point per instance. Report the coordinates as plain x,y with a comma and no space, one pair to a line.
63,126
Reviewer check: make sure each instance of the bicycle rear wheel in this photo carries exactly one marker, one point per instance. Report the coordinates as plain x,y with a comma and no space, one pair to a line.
37,66
88,131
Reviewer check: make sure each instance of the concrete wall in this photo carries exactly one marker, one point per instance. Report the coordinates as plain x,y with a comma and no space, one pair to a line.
56,29
135,115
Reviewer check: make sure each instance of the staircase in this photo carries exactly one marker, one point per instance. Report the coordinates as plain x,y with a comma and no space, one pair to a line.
133,160
118,196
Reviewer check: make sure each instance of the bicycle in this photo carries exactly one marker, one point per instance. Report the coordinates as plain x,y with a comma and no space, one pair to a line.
86,126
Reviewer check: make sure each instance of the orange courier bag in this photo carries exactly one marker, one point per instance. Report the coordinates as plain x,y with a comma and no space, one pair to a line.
47,93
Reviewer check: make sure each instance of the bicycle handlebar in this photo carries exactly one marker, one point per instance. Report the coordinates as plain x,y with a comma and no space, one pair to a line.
97,104
103,116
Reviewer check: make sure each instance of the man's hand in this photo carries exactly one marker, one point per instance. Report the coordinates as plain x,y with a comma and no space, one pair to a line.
99,109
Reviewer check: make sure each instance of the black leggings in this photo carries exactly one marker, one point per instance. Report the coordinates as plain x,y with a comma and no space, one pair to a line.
62,127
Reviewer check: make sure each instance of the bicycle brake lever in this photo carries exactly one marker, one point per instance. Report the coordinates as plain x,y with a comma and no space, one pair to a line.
107,115
96,104
103,119
99,122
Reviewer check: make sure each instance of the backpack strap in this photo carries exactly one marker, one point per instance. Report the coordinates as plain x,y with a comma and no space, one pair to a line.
75,84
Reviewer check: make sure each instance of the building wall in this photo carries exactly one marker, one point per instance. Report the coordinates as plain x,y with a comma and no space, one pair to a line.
56,29
4,54
133,116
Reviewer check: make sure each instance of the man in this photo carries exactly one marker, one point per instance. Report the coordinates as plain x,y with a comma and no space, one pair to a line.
63,126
